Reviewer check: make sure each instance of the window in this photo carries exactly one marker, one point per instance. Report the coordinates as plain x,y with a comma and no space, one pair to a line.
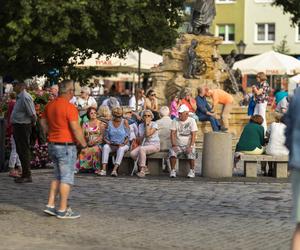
225,1
264,1
227,32
265,32
298,33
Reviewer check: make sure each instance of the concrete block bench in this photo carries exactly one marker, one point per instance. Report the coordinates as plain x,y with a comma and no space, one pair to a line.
280,164
155,163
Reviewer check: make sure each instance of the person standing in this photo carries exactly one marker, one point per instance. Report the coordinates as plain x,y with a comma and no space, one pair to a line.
60,123
292,133
22,118
261,93
15,168
220,96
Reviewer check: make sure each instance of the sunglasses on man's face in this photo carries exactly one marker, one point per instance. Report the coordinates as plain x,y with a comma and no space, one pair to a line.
93,113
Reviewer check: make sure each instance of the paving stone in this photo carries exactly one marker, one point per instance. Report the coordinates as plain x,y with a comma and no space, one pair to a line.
150,213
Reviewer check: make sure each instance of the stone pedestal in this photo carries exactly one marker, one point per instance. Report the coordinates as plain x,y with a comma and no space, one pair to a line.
217,155
168,79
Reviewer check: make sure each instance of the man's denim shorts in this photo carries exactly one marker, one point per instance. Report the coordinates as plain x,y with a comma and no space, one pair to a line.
64,159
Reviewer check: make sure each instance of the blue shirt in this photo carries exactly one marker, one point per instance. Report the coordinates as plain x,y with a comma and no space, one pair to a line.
280,95
202,106
117,135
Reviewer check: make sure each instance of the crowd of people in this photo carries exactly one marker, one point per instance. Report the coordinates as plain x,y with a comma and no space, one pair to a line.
256,137
140,128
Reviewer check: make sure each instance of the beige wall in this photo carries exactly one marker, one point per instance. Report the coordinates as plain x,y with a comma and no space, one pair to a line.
230,13
266,13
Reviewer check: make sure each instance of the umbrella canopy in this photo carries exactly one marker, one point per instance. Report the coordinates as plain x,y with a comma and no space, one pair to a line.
271,63
122,77
294,82
127,64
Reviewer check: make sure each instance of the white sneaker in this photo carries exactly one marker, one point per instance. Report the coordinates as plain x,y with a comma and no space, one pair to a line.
191,174
173,173
102,173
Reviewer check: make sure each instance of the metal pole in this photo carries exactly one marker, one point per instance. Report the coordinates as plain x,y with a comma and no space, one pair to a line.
1,88
139,68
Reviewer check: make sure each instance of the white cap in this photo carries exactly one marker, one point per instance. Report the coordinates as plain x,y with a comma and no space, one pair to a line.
183,108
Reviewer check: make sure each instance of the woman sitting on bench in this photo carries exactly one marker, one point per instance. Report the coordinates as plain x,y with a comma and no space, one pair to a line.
149,142
251,140
252,137
275,133
116,140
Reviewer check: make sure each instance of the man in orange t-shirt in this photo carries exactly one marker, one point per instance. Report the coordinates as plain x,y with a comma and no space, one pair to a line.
219,96
60,121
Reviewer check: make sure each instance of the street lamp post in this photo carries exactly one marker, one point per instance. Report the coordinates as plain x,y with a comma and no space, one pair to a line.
241,47
139,67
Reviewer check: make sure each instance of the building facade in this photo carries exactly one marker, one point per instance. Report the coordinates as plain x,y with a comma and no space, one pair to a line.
258,23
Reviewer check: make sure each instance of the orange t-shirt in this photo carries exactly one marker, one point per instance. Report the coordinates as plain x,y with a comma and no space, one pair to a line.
222,97
58,114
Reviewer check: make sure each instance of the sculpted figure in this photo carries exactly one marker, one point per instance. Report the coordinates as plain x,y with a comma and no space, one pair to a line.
192,60
203,16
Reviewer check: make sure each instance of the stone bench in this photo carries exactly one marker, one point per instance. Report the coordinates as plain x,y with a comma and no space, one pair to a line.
155,164
280,164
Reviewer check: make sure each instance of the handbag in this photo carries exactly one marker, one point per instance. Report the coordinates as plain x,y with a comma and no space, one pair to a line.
134,144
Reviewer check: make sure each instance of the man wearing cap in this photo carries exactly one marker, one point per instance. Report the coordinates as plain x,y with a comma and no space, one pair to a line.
60,123
22,118
183,137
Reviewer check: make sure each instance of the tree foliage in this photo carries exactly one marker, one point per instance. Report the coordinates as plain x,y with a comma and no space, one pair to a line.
292,7
36,35
282,47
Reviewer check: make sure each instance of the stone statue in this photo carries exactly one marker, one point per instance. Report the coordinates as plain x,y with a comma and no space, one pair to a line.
234,79
196,64
203,15
192,60
231,58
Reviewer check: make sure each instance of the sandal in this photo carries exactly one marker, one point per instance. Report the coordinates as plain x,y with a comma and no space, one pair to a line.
14,173
97,171
141,174
114,173
146,170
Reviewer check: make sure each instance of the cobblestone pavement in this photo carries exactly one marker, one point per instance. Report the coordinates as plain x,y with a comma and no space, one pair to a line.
151,213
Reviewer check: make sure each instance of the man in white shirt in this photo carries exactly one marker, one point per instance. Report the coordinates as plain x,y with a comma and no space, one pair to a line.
84,101
183,137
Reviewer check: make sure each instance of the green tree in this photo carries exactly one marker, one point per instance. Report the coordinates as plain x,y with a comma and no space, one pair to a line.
282,47
292,7
37,35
